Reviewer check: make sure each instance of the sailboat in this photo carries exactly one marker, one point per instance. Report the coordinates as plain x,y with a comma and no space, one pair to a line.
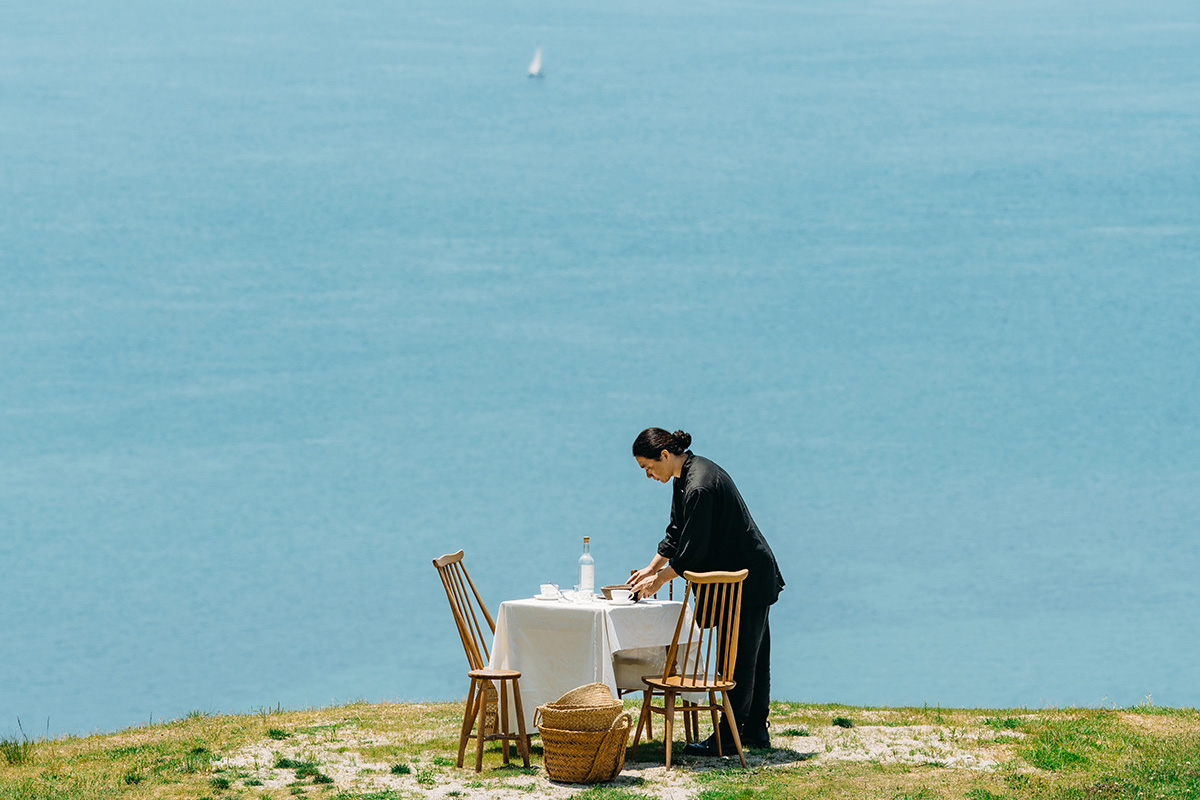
535,66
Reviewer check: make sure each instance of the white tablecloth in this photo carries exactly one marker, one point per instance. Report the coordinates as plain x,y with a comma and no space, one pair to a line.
558,645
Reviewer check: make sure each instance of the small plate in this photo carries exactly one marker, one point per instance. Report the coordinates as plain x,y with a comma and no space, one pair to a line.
545,597
628,602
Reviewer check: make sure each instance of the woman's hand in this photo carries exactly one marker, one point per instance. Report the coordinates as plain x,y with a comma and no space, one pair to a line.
650,585
642,574
650,570
647,586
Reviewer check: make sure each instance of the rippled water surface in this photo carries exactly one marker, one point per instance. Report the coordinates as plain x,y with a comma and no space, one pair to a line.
297,298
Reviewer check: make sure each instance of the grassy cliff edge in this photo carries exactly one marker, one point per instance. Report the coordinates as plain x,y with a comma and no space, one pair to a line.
395,751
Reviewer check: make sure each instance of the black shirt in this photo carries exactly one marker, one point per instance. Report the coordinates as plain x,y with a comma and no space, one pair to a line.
711,530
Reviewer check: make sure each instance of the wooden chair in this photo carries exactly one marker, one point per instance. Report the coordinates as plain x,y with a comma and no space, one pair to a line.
718,605
482,693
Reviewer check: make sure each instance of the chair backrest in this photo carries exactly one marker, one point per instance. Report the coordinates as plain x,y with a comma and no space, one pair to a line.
710,647
463,605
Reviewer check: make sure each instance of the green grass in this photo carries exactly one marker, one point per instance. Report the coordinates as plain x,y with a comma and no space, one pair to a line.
606,792
1063,755
983,794
1070,743
516,769
16,751
1004,723
1145,752
843,722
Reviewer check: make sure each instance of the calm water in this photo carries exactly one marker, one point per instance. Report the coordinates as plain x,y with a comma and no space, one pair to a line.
297,298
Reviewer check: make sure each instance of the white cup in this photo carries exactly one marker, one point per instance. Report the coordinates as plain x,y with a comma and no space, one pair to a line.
622,595
549,590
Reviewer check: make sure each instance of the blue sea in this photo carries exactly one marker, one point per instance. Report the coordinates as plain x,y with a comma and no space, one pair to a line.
297,297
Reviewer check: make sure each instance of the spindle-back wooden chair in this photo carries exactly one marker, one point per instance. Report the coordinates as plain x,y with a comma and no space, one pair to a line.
482,697
709,650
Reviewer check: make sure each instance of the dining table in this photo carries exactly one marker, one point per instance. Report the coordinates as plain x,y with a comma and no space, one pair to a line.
561,644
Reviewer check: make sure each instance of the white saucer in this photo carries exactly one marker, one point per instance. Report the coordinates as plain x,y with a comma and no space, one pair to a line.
622,602
545,597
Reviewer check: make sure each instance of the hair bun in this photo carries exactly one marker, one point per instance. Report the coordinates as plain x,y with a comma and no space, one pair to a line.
684,439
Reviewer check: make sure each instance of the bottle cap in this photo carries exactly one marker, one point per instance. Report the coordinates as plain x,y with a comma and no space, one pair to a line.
586,538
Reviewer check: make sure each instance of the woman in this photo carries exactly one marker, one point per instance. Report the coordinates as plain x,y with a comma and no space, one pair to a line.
711,530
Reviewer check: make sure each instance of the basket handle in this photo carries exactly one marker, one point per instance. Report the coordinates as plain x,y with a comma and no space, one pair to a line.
614,739
537,716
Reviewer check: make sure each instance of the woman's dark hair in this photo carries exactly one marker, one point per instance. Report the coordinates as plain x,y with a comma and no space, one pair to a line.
651,442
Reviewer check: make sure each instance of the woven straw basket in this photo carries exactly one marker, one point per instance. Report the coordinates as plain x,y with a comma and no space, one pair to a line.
585,756
583,735
491,698
588,708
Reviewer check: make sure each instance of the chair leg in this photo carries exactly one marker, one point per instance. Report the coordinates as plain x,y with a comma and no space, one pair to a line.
712,702
523,740
669,724
468,721
481,735
504,718
649,726
642,718
687,720
737,740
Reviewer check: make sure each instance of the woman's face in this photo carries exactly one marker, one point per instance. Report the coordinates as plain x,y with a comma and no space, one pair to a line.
659,470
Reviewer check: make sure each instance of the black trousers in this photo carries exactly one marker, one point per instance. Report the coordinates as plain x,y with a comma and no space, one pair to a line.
751,698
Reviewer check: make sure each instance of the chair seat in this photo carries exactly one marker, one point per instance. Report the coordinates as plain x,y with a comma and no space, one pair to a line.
487,673
683,683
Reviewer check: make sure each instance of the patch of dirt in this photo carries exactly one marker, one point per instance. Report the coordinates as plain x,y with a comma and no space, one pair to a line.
1159,725
909,744
338,754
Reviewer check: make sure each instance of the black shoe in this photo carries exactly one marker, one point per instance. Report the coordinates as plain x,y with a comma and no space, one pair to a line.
708,747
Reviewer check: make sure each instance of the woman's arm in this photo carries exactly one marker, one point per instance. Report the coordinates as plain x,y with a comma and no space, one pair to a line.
656,563
695,531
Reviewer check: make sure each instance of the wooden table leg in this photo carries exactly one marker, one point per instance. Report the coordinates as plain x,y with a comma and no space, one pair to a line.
523,741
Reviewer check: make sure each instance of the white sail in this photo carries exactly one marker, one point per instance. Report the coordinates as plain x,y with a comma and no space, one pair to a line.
535,66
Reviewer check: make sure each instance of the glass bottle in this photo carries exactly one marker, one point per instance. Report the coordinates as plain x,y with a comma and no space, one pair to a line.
587,569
